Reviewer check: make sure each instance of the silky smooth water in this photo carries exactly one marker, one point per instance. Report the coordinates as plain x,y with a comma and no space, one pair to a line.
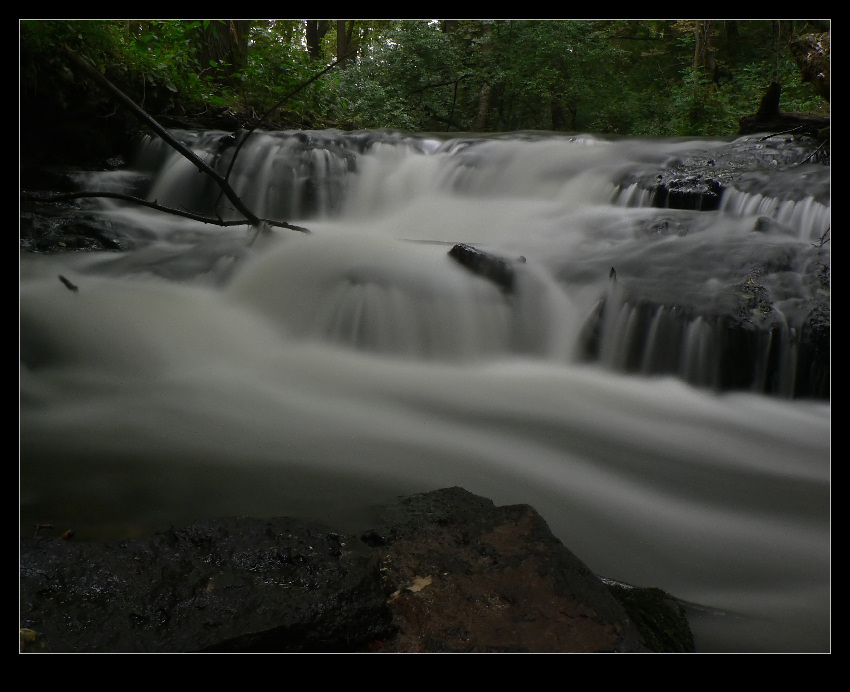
212,371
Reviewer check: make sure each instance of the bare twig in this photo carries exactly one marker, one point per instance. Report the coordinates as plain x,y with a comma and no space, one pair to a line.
784,132
815,153
39,527
823,239
66,196
68,284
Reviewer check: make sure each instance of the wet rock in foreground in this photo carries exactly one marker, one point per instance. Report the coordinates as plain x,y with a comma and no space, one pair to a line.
445,571
243,584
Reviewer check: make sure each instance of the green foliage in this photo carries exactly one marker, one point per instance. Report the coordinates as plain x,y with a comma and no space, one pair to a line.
43,64
98,39
276,67
629,77
139,56
552,73
163,54
408,79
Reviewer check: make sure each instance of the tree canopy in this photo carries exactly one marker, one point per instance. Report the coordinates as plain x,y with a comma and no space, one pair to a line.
620,77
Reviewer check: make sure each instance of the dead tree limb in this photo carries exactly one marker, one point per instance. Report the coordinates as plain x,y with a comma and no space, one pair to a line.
67,196
201,165
491,267
820,155
784,132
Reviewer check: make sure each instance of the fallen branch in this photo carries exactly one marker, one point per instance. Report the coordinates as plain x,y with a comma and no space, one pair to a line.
823,239
67,196
491,267
201,165
784,132
816,153
69,285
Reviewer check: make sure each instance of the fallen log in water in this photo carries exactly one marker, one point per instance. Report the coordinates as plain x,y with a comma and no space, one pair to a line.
491,267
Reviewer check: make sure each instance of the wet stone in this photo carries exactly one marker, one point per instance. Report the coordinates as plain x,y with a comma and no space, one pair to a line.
445,571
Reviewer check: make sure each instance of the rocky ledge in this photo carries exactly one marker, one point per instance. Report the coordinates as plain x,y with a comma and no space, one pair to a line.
445,571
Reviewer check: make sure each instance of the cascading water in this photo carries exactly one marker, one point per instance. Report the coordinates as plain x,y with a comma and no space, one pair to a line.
652,379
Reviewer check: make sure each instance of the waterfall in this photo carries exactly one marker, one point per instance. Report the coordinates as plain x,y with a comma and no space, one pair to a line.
507,313
807,218
561,194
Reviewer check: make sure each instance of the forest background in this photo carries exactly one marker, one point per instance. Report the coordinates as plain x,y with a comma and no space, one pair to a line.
613,77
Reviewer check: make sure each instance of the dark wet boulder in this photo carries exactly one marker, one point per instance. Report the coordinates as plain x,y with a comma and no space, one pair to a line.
464,576
233,585
52,227
445,571
700,183
687,191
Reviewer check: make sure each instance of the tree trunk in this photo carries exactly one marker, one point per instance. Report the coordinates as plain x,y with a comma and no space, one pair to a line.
344,43
704,60
770,118
479,124
697,51
225,43
316,30
559,119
